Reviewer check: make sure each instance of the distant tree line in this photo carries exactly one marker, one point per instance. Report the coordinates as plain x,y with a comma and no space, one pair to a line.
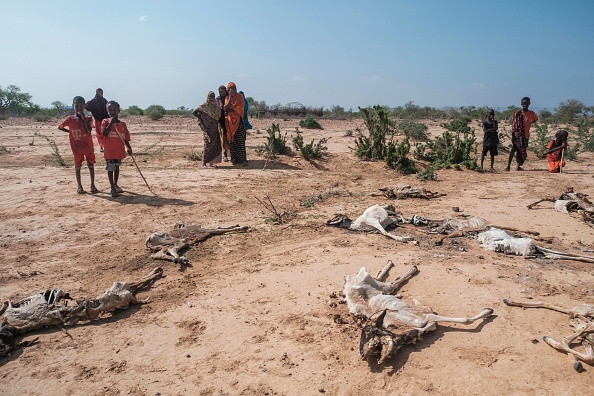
14,102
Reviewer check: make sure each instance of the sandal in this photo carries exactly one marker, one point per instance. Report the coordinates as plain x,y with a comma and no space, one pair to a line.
80,191
114,192
94,190
118,189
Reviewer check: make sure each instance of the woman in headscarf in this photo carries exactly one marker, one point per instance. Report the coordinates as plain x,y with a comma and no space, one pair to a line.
208,114
234,124
246,107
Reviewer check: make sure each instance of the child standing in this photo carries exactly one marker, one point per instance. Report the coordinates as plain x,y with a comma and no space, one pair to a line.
81,141
116,141
555,148
491,138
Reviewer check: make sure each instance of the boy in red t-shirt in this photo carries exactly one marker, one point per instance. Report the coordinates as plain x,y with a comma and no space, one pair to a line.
81,141
116,139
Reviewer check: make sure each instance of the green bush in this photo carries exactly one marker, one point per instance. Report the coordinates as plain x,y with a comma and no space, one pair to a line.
584,136
311,150
379,125
310,123
275,142
397,157
155,112
427,174
539,140
132,110
414,130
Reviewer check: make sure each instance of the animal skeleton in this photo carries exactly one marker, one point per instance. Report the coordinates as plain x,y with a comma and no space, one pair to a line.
375,217
403,192
50,308
571,201
581,319
368,296
167,245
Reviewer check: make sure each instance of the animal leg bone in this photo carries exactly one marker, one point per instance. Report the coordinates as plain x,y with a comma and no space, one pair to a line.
376,224
513,303
587,357
438,318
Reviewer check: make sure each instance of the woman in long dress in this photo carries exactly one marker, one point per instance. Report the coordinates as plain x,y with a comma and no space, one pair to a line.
208,114
234,124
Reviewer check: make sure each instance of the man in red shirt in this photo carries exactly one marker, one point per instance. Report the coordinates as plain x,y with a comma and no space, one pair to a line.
522,121
81,141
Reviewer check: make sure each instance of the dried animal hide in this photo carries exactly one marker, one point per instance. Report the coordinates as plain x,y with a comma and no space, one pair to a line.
458,224
399,322
51,308
404,192
497,240
167,245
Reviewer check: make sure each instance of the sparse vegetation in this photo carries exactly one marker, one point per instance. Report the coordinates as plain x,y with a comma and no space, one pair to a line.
539,140
193,155
310,123
397,157
427,174
413,130
55,154
155,112
132,110
276,143
3,149
373,146
311,150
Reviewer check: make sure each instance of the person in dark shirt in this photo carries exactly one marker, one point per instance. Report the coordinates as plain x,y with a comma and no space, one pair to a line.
490,139
97,107
222,129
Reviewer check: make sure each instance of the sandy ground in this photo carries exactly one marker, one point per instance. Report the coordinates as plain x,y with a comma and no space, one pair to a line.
251,314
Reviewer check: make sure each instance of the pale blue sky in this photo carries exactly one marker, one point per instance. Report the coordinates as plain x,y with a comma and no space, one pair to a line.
320,53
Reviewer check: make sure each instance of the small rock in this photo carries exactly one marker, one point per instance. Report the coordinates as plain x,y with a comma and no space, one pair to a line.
456,209
332,304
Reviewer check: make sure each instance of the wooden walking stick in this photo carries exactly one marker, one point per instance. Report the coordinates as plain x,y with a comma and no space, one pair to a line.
134,160
561,164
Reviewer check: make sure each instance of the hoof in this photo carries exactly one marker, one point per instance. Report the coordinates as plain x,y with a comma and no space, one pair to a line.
577,366
175,260
489,310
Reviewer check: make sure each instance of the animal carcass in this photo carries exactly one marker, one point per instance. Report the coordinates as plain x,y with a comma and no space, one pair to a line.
399,322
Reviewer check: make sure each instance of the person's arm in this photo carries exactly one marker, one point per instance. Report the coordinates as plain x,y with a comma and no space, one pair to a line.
112,121
562,147
85,122
62,126
195,113
127,142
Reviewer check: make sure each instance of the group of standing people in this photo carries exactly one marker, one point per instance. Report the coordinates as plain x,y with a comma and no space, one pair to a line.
522,120
112,135
223,120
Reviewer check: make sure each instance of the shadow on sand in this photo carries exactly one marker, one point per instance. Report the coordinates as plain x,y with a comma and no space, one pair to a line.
148,200
401,356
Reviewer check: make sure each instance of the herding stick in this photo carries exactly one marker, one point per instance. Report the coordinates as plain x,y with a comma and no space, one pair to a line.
134,160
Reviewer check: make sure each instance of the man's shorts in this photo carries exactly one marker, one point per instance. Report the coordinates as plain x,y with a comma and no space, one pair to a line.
79,158
490,149
112,165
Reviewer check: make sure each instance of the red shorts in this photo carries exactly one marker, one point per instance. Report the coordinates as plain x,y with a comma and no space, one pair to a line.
78,158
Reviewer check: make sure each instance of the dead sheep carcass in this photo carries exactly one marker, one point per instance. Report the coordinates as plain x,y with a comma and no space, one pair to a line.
399,322
167,245
51,308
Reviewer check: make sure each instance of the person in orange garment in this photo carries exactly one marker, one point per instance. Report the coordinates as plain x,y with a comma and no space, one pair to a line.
114,131
81,141
555,148
522,121
98,108
234,124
